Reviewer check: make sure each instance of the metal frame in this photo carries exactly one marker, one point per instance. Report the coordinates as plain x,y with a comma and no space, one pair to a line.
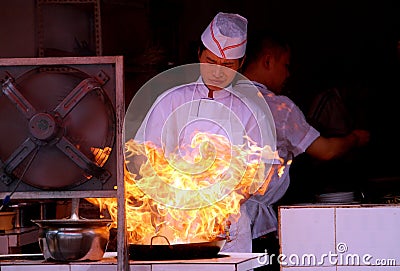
119,193
96,21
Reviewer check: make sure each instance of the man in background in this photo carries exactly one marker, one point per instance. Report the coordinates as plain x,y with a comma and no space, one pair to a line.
267,68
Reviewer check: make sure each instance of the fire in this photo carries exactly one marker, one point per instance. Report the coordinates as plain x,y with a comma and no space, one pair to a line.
281,169
100,155
189,198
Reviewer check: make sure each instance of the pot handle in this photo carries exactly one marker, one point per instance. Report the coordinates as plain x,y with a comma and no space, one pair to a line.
75,209
151,241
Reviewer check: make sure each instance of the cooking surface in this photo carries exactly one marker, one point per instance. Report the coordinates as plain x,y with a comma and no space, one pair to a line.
224,261
347,231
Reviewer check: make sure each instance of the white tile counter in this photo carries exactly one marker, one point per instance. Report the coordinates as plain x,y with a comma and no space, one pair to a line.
226,262
340,237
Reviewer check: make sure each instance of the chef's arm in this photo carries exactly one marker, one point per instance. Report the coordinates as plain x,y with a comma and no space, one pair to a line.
133,164
324,148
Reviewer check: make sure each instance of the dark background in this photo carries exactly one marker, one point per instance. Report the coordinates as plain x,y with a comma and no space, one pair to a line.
333,41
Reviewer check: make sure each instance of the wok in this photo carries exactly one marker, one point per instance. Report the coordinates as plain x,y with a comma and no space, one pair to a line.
199,250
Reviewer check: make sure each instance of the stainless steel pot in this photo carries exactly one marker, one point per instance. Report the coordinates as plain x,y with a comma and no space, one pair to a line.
73,239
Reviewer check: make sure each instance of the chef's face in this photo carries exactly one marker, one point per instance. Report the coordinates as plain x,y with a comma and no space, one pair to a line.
219,75
279,71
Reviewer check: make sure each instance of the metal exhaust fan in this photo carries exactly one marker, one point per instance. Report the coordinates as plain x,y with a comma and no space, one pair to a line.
60,122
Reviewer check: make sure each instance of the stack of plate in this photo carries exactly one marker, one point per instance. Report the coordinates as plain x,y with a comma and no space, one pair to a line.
337,198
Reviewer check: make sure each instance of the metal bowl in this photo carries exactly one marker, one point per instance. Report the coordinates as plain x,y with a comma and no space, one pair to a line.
73,240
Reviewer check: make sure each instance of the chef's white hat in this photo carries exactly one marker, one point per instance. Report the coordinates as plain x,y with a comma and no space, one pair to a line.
226,36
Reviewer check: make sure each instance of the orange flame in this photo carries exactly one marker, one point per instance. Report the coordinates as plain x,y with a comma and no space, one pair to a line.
189,198
100,155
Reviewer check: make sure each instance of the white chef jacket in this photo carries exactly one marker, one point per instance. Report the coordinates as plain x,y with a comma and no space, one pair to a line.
187,108
178,106
294,136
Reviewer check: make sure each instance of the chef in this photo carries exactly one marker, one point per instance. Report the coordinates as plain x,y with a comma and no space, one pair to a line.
210,105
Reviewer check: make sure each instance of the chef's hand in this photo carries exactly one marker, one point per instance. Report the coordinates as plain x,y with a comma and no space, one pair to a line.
245,195
134,163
